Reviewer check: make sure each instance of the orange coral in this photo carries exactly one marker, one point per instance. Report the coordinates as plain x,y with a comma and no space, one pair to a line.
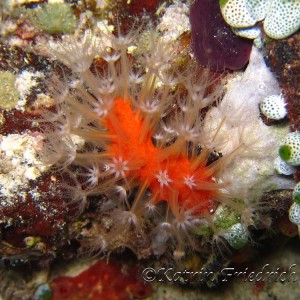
134,128
165,177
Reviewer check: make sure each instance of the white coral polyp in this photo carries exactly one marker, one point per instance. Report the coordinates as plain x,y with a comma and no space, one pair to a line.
163,178
76,52
118,167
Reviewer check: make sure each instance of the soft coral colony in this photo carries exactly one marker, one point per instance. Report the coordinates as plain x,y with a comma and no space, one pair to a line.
133,129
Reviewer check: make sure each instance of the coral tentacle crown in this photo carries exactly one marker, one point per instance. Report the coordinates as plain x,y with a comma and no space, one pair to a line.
163,176
130,128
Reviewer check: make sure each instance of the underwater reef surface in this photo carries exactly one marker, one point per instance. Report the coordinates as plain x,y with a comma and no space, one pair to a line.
131,168
214,43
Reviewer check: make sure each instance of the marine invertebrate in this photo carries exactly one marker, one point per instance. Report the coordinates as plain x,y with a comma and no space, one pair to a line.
294,211
117,126
283,58
294,214
273,107
296,193
225,225
237,236
133,128
289,150
123,203
43,292
281,17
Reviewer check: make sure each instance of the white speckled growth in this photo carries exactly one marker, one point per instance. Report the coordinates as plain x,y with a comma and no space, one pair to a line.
290,149
273,107
296,193
294,214
172,30
236,236
19,161
283,18
258,8
239,115
237,14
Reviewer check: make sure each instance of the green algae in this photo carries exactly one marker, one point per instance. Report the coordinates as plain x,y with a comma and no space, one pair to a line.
9,95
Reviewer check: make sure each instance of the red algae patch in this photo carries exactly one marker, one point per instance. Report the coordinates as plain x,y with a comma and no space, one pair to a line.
104,281
37,211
